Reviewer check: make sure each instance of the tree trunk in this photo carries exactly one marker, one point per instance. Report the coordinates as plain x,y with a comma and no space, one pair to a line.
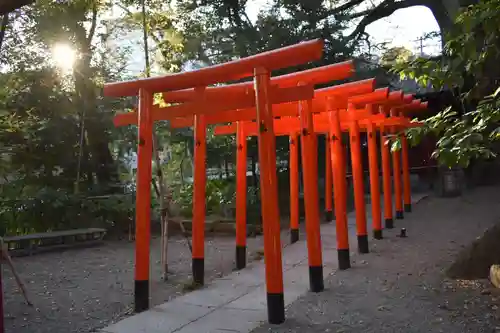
86,166
226,167
254,172
181,172
445,11
190,157
221,174
162,194
98,140
98,144
443,16
3,28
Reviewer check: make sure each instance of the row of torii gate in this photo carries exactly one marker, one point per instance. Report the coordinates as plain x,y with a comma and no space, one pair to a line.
268,107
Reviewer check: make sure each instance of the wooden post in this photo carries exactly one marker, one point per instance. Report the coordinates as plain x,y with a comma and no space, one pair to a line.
269,199
328,181
294,188
396,171
143,201
386,176
406,173
398,190
337,156
357,178
374,181
241,196
199,189
310,171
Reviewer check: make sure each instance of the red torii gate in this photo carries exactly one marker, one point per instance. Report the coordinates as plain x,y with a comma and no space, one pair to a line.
338,168
373,164
289,109
405,101
265,95
258,66
225,115
312,214
288,126
239,95
314,241
401,156
386,163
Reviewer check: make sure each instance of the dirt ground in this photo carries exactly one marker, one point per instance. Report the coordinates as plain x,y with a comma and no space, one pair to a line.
81,290
401,285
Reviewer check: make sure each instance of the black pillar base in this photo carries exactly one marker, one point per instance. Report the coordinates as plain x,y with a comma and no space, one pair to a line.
400,215
294,235
316,283
377,234
389,223
141,295
344,259
198,271
275,308
408,208
363,244
328,215
241,256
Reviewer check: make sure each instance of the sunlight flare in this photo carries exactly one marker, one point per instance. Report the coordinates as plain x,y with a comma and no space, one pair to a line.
64,56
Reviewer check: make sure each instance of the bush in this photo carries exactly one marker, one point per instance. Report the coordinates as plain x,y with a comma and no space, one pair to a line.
220,197
55,209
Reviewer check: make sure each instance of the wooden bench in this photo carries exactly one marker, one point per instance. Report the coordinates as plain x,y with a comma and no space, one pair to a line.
46,241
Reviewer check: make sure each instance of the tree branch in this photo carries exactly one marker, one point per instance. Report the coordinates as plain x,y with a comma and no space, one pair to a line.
3,28
344,7
147,64
93,24
386,8
247,19
11,5
359,14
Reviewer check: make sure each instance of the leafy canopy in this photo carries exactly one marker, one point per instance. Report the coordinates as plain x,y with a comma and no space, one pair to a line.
469,68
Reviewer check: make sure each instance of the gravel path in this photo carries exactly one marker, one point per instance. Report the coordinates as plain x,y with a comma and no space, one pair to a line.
81,290
400,286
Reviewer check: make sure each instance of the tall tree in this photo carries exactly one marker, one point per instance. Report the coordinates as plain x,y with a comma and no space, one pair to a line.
42,107
468,129
75,23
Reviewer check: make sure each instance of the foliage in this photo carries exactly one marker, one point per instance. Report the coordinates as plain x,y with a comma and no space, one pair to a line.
190,34
43,113
55,209
466,130
396,55
220,194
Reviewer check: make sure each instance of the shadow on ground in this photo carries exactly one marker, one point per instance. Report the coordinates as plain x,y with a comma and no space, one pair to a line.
401,286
